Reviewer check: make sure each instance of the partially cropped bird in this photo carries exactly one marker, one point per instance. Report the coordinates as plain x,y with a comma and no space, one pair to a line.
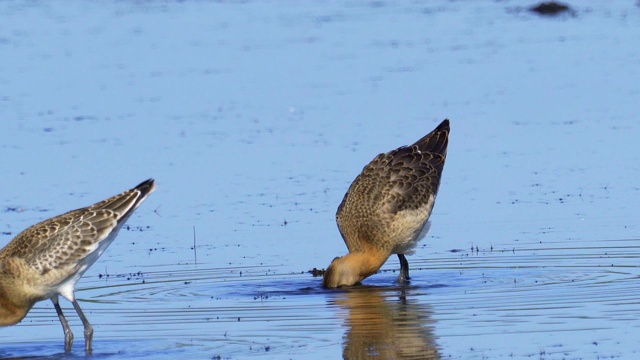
46,260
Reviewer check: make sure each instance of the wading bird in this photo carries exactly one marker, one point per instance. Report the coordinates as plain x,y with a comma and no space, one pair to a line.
47,259
387,207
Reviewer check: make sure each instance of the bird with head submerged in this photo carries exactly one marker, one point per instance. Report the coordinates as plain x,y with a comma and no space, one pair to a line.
387,208
47,259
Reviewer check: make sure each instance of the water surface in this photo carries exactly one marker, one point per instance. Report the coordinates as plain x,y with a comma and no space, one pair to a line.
254,117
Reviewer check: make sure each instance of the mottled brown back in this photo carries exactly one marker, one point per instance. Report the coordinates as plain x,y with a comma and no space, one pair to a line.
402,179
66,239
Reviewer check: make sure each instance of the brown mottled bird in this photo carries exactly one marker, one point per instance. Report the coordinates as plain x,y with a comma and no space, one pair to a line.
387,207
47,259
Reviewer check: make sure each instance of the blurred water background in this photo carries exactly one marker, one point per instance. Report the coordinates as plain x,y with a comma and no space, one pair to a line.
255,116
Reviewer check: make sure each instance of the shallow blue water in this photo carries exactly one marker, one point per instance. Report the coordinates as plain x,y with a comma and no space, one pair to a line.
254,117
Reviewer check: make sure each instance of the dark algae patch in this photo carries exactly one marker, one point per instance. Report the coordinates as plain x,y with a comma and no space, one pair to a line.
551,8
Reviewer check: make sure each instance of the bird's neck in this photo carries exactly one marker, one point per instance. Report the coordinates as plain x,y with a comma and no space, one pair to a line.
10,311
366,263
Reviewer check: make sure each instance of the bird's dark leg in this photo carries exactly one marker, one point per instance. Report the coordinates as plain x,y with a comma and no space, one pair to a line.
68,334
404,269
88,329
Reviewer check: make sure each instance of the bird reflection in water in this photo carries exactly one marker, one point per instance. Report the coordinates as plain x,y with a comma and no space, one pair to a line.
384,323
